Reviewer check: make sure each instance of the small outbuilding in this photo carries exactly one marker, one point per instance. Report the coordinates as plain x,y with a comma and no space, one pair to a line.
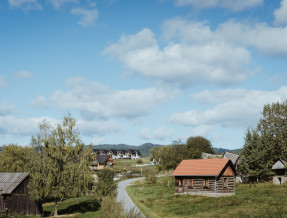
207,177
14,195
280,170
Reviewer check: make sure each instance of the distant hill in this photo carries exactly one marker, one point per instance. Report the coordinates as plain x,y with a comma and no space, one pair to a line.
222,150
144,148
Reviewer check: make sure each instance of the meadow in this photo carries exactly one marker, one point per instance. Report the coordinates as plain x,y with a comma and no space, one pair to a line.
251,200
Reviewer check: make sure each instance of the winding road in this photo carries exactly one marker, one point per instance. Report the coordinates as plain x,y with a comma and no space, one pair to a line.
123,196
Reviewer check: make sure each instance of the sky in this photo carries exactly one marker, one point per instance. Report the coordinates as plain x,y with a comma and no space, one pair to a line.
137,71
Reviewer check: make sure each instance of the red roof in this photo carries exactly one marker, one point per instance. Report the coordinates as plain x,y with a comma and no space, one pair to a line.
200,167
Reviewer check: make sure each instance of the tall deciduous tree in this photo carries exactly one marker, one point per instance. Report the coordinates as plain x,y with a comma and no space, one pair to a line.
61,166
265,144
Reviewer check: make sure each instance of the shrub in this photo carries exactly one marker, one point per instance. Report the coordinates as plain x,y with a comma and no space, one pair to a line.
139,161
106,184
150,176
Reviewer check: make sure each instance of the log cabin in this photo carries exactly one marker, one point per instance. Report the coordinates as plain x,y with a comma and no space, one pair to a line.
206,177
15,197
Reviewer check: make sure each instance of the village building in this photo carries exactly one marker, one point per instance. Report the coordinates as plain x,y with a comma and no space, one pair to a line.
207,177
120,153
102,161
15,197
235,158
280,170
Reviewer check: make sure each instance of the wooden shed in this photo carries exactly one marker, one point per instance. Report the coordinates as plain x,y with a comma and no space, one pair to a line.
280,170
207,177
14,195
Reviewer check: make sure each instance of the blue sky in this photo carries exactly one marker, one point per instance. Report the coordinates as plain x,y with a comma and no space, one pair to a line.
136,71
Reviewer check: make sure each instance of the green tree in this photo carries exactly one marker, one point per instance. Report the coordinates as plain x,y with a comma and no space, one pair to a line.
61,166
172,155
106,184
196,145
265,144
14,158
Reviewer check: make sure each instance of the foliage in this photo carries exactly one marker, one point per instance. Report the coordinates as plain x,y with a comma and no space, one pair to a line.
61,167
139,161
170,156
251,200
14,158
150,176
265,144
196,145
106,184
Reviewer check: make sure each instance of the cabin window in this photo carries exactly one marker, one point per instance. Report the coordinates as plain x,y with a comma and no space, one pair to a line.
225,182
205,183
190,184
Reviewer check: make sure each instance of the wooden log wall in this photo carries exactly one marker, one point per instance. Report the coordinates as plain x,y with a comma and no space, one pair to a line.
182,184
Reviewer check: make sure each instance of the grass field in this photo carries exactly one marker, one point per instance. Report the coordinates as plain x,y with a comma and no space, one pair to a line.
251,200
81,207
124,165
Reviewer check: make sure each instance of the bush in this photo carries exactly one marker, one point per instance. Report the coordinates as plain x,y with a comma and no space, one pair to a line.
139,161
106,184
150,176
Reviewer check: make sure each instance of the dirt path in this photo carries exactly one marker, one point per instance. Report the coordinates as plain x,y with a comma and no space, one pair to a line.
123,196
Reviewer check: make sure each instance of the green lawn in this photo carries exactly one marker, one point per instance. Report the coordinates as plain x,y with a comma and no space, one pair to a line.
81,207
124,165
251,200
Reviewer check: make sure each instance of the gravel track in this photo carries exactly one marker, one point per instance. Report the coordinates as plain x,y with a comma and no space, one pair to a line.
123,196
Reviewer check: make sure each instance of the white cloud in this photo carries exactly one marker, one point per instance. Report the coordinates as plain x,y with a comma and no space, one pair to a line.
158,134
22,126
25,5
12,126
98,127
241,111
57,4
182,63
2,83
266,39
233,5
87,16
6,108
96,100
22,74
40,102
280,14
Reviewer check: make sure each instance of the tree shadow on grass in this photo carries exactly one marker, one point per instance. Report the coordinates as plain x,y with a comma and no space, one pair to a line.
82,207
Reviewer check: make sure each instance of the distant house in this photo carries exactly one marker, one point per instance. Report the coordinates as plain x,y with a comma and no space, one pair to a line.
280,169
113,153
14,195
102,161
207,177
235,158
135,154
120,153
